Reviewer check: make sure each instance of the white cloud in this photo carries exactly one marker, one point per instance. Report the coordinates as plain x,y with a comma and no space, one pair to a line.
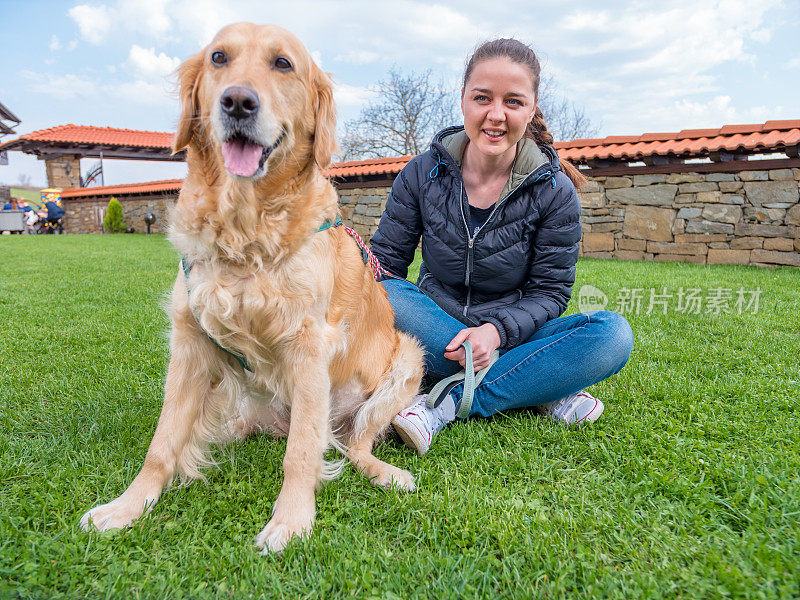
793,63
144,92
70,86
351,95
62,86
439,23
202,19
719,111
150,85
94,22
358,57
146,16
72,45
149,65
54,43
586,21
761,36
645,67
689,114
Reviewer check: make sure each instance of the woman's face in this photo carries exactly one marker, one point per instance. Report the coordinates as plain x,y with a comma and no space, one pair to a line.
498,103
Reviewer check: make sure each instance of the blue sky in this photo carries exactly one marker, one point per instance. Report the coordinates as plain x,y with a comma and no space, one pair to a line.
634,66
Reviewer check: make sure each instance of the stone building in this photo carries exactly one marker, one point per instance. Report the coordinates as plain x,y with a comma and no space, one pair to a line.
62,148
727,195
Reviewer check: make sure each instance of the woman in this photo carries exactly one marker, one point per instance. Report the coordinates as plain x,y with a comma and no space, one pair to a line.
500,225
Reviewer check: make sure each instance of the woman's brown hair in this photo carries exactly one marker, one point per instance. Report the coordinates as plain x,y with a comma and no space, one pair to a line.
517,52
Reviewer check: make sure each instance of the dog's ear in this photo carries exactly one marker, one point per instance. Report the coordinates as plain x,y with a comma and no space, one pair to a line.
325,120
189,77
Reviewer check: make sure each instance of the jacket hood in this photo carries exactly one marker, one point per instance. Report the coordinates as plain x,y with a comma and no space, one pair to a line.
530,156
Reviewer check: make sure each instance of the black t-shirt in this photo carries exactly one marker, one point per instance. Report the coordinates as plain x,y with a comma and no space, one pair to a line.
478,216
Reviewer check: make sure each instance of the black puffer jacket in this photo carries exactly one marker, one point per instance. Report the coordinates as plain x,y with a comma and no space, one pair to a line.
517,271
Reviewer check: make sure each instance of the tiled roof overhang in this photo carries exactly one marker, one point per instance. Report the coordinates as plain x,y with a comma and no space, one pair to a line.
731,141
90,142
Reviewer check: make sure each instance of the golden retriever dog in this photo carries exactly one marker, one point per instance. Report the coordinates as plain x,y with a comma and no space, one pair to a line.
325,364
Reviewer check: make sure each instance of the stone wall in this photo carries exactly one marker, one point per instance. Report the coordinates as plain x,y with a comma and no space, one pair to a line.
362,208
744,217
84,214
741,217
63,171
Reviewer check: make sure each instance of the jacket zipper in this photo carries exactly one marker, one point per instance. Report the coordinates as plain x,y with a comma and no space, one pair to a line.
508,195
471,238
470,244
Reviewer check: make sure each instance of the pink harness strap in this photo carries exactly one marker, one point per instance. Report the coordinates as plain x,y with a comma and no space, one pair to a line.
369,258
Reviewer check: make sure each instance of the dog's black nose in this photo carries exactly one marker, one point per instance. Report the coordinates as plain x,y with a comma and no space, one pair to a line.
239,102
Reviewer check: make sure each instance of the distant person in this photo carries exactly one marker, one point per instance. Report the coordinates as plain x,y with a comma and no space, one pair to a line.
12,205
54,211
54,214
31,218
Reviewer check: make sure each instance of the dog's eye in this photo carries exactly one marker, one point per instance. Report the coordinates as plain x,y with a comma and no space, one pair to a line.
282,64
219,58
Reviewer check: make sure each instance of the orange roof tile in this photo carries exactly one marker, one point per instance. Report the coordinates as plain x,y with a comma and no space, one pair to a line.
372,166
106,136
146,187
772,136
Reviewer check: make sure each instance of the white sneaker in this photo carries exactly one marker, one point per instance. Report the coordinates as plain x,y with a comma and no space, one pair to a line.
580,407
417,424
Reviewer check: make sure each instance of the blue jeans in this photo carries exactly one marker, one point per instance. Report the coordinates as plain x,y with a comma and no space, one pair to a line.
562,357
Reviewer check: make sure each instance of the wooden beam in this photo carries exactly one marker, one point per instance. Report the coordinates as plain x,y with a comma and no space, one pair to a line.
657,160
723,156
118,153
168,194
720,167
603,163
349,183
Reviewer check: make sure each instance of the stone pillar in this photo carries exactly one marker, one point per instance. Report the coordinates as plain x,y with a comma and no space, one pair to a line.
63,171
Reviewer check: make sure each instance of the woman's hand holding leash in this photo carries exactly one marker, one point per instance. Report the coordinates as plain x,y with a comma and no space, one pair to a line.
484,339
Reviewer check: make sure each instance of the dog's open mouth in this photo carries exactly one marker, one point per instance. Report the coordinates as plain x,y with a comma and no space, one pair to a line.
244,157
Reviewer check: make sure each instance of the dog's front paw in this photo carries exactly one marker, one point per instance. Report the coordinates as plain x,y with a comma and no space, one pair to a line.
116,514
390,476
275,536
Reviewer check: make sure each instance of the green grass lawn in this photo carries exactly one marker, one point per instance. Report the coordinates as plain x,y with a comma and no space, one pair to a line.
687,487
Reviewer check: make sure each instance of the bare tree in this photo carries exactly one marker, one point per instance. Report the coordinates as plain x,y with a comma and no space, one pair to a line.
407,111
24,180
565,120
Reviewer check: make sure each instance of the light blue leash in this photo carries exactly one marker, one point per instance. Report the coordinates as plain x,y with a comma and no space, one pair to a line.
471,381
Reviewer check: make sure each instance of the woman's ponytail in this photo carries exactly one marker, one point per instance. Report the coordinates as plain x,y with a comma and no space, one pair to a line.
537,131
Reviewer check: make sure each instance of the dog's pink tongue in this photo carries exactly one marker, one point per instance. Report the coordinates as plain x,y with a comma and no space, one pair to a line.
241,157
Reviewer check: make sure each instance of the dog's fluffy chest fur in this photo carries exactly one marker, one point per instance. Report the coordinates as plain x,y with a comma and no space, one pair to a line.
267,307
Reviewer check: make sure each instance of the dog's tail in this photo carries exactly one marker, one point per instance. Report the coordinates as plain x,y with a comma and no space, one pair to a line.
395,391
331,469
